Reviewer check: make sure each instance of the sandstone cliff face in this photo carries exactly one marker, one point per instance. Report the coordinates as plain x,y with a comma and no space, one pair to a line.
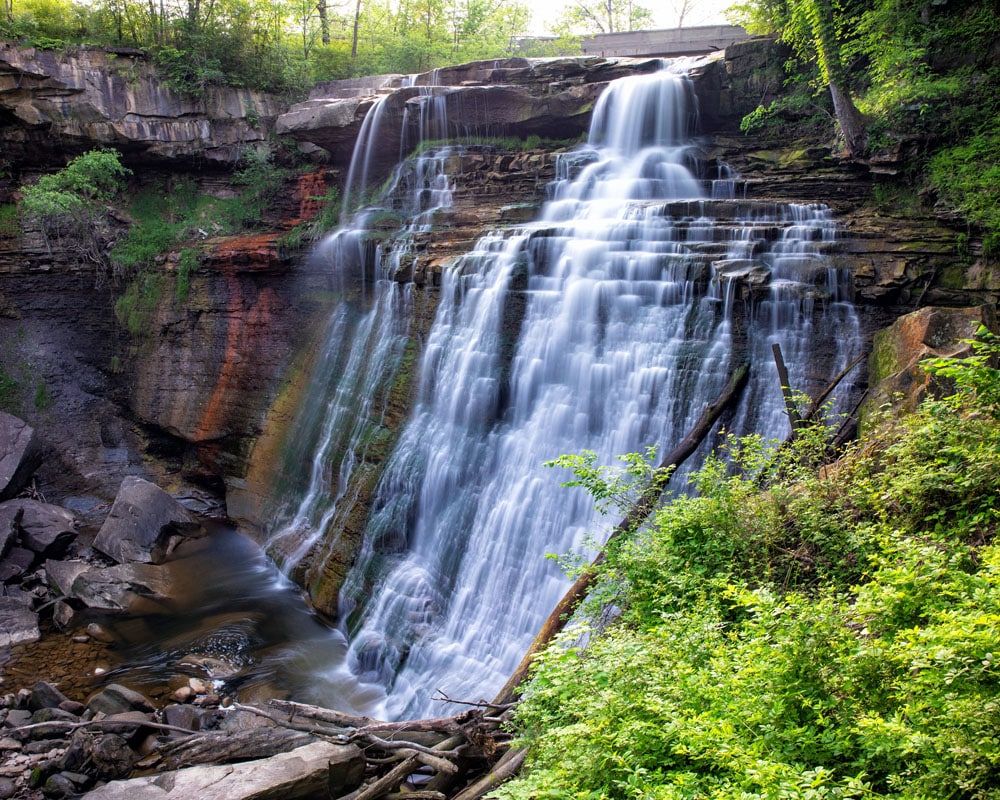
52,103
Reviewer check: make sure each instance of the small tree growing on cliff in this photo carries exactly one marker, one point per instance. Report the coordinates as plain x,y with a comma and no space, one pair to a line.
70,203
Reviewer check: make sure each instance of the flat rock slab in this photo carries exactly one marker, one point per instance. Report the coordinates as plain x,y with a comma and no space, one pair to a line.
301,773
18,623
144,524
122,587
43,528
20,455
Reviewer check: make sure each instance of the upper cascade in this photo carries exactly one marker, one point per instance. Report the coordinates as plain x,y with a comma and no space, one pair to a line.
606,325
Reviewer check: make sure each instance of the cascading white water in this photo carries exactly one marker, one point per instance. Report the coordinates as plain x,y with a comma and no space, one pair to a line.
343,401
606,325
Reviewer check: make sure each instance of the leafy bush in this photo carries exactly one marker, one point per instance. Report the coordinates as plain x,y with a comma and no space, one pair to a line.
793,633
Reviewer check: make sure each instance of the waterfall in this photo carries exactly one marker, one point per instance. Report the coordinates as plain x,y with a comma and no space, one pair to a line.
366,335
606,325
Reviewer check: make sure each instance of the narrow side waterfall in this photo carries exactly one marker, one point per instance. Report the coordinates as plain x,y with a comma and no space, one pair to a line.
606,325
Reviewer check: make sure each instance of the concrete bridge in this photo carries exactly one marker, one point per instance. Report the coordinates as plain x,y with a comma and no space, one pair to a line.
670,42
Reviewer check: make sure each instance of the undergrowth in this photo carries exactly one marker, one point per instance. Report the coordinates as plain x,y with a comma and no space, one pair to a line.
796,633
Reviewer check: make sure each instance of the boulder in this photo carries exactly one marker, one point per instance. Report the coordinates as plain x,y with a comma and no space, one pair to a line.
894,369
18,623
61,574
117,699
123,588
16,564
144,525
45,695
301,773
43,528
20,455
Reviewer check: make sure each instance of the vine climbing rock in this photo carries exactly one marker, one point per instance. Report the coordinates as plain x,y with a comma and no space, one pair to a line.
20,455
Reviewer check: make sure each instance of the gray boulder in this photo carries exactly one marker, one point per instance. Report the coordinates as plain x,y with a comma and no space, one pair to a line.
133,588
18,623
61,574
117,699
301,773
144,525
20,455
43,528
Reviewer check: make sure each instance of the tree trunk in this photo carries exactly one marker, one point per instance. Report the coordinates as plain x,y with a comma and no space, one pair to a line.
852,125
354,35
324,21
643,507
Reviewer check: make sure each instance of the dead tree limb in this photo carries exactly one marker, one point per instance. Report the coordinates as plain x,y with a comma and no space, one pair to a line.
645,506
817,404
392,779
786,389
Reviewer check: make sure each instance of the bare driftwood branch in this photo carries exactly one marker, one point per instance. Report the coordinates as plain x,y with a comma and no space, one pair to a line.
645,506
102,724
505,769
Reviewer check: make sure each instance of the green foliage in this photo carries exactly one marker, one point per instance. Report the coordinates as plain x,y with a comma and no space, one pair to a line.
967,177
187,262
89,179
43,398
794,633
10,392
134,309
10,223
276,46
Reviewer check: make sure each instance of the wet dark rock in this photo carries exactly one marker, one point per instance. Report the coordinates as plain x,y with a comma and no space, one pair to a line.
63,614
144,524
17,717
45,695
45,529
52,715
44,746
126,587
73,707
20,455
7,788
16,564
99,633
117,699
59,785
185,716
105,756
61,574
18,623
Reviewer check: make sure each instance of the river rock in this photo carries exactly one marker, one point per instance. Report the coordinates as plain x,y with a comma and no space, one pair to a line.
144,524
18,623
61,574
300,773
105,756
20,455
117,699
45,529
123,588
45,695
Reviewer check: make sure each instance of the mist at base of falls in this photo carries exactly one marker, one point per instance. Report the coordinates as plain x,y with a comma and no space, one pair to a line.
606,325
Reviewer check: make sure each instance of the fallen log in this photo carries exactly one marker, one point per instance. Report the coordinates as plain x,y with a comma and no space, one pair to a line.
643,507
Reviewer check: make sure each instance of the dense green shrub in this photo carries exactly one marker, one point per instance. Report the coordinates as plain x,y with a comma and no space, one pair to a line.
788,633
